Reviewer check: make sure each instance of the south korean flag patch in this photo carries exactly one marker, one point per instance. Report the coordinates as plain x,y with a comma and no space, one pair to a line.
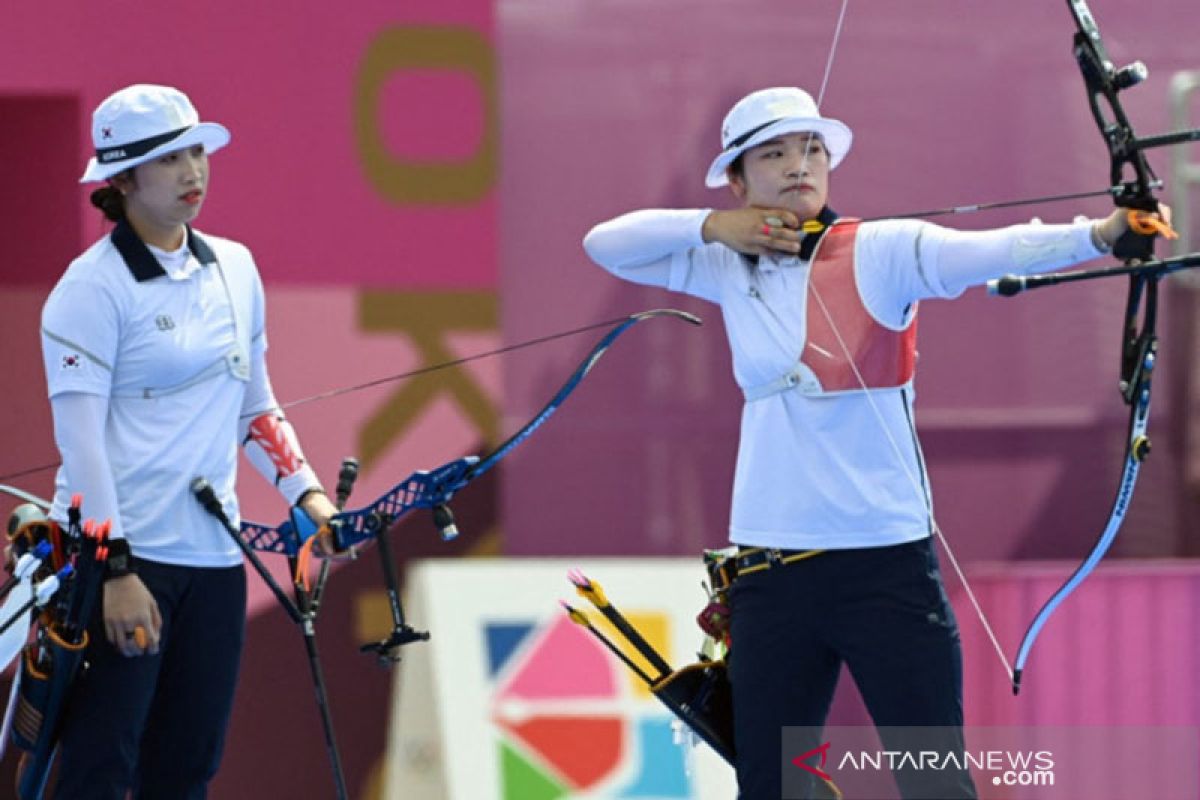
72,361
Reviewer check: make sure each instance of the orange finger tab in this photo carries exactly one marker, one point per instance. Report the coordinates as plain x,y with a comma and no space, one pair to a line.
303,559
1149,225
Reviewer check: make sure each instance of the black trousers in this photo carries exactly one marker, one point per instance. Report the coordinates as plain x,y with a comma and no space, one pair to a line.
881,611
155,725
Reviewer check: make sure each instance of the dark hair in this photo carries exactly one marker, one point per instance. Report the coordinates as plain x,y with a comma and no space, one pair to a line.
737,167
109,199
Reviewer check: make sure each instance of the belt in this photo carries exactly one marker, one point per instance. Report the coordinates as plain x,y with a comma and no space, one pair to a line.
756,559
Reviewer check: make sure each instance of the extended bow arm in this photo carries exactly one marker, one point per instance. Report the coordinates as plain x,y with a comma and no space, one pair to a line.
434,488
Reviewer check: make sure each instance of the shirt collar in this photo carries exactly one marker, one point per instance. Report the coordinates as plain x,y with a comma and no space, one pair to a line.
142,263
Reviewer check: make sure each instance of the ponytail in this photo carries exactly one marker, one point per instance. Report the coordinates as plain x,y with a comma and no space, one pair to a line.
109,200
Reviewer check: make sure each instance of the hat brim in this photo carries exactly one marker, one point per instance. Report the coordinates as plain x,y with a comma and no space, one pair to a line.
212,135
836,135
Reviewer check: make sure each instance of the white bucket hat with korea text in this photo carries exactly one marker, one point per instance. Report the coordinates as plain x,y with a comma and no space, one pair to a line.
142,122
761,116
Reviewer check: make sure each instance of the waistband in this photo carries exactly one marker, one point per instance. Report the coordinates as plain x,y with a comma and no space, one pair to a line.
756,559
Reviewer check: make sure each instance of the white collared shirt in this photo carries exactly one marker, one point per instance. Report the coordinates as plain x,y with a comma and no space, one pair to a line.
828,472
179,357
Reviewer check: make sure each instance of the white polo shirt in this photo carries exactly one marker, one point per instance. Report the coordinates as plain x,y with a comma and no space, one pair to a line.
176,341
822,472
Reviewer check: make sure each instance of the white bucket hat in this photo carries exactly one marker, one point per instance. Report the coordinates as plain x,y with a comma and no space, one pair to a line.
140,123
767,113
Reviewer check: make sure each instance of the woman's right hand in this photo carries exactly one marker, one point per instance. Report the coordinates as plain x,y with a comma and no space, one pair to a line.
754,231
128,605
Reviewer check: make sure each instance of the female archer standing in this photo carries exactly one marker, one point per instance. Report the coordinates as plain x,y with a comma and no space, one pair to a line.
832,520
154,346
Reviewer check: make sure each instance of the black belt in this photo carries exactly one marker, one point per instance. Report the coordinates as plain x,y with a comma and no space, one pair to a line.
756,559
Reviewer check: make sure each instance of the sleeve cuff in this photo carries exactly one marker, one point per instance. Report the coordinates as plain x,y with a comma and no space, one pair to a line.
1089,234
295,486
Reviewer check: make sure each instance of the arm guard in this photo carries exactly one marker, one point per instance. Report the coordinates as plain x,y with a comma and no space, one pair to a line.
271,445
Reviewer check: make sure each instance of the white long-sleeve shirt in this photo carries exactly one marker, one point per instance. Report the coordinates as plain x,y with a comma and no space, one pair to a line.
838,471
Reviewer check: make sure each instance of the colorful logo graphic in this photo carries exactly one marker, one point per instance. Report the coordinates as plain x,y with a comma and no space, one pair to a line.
571,720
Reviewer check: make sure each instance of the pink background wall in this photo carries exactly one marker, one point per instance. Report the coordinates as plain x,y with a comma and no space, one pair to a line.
415,180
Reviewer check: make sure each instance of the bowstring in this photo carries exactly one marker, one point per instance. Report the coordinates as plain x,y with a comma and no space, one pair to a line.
912,479
916,486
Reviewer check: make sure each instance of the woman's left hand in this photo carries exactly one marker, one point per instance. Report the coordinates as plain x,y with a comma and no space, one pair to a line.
320,509
1114,226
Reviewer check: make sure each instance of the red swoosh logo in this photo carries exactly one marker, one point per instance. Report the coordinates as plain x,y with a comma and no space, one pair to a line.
823,752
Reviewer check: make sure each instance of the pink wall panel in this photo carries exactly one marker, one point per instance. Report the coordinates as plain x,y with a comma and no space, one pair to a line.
304,91
1121,651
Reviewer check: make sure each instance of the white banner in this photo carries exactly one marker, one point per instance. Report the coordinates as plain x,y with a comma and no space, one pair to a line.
510,700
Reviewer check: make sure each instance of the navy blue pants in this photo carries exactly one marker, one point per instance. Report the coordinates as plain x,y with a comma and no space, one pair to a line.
155,725
882,612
